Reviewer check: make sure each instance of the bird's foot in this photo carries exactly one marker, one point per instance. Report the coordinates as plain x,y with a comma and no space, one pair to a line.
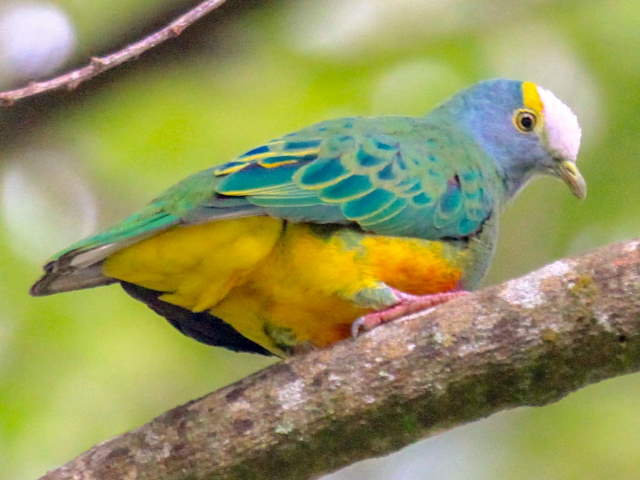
406,304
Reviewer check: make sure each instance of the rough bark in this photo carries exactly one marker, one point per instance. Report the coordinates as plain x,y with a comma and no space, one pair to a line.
529,341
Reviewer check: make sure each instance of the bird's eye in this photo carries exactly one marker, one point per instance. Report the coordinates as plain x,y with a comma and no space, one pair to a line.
525,120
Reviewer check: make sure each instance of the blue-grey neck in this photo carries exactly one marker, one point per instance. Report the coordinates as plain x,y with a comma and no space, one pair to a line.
484,112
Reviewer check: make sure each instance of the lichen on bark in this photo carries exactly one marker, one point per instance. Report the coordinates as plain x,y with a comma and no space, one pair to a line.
529,341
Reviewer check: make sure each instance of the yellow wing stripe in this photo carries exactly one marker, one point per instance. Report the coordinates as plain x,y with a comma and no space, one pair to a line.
260,156
246,161
277,164
228,170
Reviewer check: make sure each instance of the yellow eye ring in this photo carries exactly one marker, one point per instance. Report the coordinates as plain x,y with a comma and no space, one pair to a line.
525,120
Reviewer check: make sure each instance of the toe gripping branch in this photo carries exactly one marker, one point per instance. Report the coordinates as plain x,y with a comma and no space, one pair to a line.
406,305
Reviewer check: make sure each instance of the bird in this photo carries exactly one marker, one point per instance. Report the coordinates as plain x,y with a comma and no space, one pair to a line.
329,231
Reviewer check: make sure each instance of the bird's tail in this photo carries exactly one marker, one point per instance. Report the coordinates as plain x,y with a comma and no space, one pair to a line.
80,265
56,281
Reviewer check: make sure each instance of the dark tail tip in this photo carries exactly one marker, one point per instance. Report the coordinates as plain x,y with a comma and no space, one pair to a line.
56,280
41,287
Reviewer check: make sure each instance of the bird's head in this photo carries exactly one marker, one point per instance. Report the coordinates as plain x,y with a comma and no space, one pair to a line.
525,128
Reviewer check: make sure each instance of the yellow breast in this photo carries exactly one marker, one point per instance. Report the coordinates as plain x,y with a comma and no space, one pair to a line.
197,265
282,284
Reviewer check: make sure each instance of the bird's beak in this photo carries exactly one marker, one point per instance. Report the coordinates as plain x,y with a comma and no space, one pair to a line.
569,173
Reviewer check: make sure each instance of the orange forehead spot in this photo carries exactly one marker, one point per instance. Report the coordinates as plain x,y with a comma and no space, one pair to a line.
531,97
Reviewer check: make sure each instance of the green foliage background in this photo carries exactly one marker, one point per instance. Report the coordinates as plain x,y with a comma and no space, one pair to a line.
78,368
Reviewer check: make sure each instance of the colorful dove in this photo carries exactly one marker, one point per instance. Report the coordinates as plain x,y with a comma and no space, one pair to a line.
336,227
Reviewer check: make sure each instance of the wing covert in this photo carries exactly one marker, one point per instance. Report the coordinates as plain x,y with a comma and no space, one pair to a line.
395,177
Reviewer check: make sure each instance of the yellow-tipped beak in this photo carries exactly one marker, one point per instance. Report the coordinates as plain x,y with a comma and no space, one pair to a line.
569,173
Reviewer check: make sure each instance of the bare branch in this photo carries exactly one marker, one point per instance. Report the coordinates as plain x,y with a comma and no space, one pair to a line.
529,341
97,65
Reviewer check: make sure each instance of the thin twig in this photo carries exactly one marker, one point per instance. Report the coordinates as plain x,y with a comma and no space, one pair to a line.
98,65
529,341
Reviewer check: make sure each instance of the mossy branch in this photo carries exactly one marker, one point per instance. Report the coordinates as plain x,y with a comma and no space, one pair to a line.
529,341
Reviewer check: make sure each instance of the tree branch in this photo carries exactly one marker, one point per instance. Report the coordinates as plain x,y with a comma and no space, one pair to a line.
529,341
97,65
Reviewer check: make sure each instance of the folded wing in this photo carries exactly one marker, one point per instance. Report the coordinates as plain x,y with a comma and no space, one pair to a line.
391,176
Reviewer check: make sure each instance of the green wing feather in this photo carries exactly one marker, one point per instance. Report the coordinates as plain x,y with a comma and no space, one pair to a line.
390,175
162,212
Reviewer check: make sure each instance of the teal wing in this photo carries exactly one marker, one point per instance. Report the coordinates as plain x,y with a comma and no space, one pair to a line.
392,176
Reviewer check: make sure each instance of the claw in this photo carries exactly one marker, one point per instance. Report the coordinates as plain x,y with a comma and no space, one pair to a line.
357,325
406,304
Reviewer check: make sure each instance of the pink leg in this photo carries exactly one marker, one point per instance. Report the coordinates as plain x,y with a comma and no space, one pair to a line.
406,304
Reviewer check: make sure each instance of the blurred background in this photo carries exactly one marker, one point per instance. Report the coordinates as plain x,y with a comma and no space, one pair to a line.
79,368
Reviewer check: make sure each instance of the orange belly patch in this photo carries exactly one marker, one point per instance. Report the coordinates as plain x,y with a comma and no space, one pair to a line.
282,285
414,266
305,291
